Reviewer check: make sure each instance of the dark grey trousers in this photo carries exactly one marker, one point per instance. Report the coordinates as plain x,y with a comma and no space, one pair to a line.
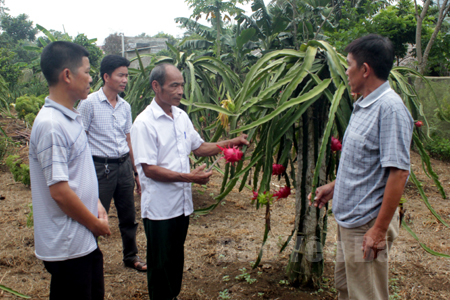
119,184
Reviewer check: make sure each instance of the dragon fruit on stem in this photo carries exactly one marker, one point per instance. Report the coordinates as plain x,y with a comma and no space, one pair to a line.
283,193
278,169
335,144
231,154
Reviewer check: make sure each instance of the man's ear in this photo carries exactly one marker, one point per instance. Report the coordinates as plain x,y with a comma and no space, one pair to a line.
367,70
156,87
106,77
65,75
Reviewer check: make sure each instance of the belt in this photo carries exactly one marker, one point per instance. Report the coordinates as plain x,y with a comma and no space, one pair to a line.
107,160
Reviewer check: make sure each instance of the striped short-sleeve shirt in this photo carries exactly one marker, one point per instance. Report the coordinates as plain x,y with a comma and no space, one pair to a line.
59,151
378,137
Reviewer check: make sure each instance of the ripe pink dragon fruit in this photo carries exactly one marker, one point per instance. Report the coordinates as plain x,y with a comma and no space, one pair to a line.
278,169
231,154
335,144
419,124
283,193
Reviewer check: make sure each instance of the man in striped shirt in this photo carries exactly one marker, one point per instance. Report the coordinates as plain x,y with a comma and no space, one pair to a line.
373,170
107,121
67,213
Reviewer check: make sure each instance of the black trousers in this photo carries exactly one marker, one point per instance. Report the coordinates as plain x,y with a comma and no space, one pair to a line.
119,184
165,256
78,278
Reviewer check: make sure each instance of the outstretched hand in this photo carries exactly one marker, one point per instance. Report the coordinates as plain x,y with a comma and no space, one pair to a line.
324,194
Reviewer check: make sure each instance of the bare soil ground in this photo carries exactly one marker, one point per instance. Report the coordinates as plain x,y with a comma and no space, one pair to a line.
219,245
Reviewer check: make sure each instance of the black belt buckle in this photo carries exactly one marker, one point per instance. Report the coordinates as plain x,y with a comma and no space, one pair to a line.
123,158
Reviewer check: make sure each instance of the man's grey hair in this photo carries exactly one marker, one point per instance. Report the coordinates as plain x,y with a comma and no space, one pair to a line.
159,74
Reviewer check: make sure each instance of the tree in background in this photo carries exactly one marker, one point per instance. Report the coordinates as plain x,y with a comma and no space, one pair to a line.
216,12
421,14
8,70
113,44
95,54
18,28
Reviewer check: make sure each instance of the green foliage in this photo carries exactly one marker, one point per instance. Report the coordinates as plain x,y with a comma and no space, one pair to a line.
396,22
95,54
21,172
18,28
224,295
8,70
29,118
439,147
30,219
4,144
245,276
11,291
435,112
27,107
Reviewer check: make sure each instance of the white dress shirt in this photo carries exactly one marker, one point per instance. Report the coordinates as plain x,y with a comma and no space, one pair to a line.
159,140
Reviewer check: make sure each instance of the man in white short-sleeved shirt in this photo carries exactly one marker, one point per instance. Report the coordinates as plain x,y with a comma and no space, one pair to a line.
163,137
68,215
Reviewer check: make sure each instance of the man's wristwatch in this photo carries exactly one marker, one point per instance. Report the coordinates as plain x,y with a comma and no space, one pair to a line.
136,174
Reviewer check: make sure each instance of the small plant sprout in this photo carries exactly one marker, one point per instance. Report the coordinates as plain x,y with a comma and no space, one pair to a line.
283,282
225,294
245,276
226,278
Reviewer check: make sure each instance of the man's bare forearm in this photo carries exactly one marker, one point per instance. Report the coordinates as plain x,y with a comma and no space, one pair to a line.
73,207
391,199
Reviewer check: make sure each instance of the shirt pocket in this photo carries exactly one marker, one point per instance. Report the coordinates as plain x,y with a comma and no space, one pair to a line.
187,144
354,147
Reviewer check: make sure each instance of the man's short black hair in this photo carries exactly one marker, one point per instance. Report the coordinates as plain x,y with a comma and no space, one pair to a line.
159,74
110,63
58,56
375,50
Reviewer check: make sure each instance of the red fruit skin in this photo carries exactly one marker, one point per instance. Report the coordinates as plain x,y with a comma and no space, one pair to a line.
419,124
231,155
255,195
278,169
283,193
335,144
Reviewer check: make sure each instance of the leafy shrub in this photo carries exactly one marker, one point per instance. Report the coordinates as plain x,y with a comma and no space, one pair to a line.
29,118
26,105
439,148
3,146
21,172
